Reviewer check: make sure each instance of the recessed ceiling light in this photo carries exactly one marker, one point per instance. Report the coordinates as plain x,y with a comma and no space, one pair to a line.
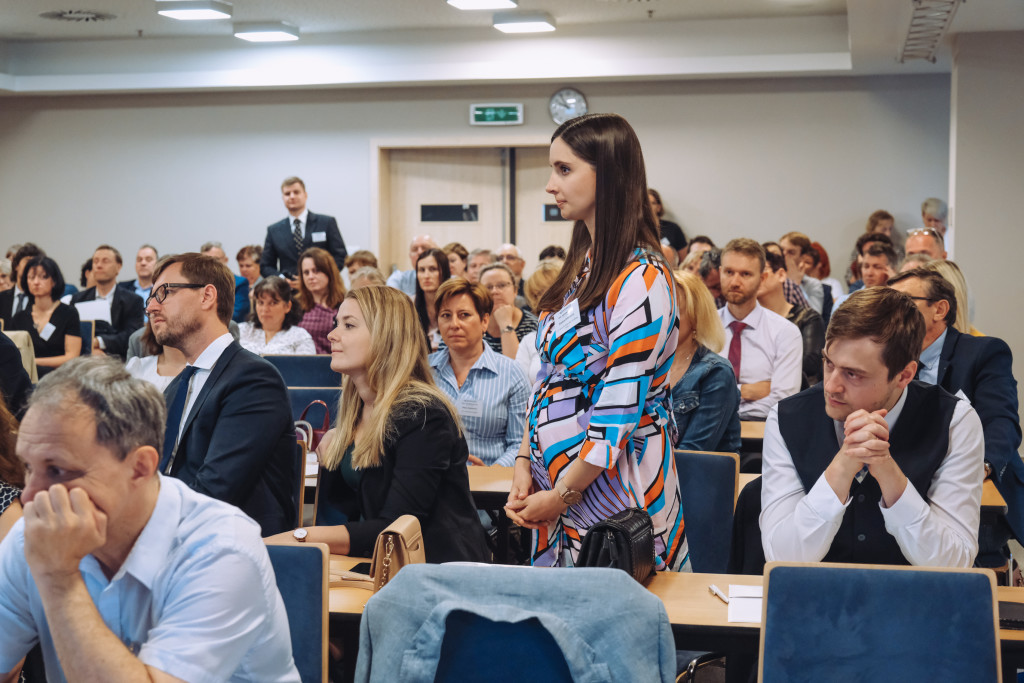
524,22
194,10
483,4
266,32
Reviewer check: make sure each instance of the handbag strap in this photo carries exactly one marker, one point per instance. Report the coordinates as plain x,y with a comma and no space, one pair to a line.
327,413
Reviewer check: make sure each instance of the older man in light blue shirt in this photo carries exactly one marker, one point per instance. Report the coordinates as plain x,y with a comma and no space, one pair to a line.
119,573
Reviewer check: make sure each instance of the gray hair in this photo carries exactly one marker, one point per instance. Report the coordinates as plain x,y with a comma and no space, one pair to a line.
509,245
370,274
481,252
208,246
129,413
934,206
498,266
914,261
709,260
5,266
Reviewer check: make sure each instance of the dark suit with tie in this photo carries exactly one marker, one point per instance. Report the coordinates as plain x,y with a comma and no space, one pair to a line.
982,367
238,442
7,305
280,254
125,317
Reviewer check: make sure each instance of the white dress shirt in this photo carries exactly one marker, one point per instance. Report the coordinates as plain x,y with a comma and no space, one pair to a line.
799,527
204,364
771,349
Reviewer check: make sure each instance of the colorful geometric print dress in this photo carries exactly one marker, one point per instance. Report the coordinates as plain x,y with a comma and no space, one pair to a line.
604,396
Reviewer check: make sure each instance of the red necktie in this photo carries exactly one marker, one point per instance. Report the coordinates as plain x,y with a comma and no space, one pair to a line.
734,346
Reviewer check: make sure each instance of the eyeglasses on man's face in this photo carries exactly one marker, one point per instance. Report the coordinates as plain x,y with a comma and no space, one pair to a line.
159,294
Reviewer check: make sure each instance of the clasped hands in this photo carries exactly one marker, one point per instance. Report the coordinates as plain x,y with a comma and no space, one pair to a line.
529,508
866,442
61,527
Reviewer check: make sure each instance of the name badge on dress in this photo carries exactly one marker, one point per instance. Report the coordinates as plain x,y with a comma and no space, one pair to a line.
567,318
319,236
47,331
470,408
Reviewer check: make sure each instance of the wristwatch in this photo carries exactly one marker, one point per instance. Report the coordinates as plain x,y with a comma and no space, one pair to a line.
300,535
508,328
569,497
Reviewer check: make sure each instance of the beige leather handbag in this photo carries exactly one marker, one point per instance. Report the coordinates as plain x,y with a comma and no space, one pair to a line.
401,543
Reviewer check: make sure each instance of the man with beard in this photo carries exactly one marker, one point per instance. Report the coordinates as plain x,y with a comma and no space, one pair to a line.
229,432
764,348
872,466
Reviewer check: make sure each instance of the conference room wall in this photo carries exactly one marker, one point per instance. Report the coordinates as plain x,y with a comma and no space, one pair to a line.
740,157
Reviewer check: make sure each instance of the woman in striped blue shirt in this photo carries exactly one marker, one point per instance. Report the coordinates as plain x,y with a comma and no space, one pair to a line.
489,390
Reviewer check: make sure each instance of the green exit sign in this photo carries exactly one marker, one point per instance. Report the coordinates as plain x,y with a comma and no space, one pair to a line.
501,114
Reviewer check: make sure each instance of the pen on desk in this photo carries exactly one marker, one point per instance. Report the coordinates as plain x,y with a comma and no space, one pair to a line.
718,593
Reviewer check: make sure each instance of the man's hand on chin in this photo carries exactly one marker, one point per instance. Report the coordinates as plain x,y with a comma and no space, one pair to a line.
61,527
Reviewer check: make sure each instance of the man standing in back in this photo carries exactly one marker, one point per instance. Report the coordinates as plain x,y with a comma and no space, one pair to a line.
301,230
123,309
764,348
229,428
145,262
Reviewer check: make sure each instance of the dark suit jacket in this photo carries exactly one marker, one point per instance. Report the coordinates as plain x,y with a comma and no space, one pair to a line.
238,443
982,367
6,304
14,382
125,318
279,253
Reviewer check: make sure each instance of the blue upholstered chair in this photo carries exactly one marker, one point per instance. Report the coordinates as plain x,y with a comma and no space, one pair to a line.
302,578
301,397
707,488
467,623
836,622
306,371
88,328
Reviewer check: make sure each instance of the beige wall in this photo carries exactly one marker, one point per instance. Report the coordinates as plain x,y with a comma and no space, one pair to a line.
986,179
736,157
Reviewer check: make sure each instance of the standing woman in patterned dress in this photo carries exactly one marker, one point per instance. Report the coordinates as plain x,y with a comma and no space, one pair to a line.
598,423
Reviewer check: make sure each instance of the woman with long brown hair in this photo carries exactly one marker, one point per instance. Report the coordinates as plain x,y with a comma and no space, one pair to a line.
321,291
598,440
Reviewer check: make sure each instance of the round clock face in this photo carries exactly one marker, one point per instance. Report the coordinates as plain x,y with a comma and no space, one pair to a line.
567,103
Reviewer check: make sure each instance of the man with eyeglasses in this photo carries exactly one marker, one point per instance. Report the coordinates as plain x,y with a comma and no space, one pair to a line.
980,367
229,429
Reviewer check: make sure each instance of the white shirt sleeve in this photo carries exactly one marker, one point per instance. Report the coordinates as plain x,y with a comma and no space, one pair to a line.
795,526
943,531
786,371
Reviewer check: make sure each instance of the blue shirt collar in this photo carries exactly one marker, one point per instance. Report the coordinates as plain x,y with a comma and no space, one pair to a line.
930,357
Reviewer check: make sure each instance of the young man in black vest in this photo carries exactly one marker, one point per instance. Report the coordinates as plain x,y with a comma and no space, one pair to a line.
872,466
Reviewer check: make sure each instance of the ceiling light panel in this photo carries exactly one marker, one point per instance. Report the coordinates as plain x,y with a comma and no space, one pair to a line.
483,4
194,10
524,22
266,32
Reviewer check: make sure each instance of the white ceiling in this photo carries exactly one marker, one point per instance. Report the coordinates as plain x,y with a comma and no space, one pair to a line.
349,43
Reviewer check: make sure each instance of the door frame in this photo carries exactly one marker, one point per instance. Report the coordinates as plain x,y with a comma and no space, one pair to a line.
380,170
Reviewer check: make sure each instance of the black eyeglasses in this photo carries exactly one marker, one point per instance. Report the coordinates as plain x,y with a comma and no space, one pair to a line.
923,298
160,293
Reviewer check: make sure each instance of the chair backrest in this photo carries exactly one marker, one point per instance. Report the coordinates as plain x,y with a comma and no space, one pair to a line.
300,490
306,371
302,578
301,397
707,490
585,625
88,328
836,622
747,553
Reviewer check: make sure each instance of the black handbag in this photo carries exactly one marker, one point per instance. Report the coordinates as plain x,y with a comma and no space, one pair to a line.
624,541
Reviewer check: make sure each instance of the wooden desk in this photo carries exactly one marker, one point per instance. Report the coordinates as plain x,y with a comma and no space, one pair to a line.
751,436
991,500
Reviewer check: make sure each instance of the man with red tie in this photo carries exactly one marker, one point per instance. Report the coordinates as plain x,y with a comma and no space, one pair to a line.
764,348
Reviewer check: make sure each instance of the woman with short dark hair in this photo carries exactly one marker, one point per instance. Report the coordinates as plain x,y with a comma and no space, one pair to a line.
273,325
54,327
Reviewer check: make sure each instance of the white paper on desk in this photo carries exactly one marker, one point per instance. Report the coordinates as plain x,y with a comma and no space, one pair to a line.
94,310
745,604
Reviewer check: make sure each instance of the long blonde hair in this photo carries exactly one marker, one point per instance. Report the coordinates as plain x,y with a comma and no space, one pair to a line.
397,370
699,306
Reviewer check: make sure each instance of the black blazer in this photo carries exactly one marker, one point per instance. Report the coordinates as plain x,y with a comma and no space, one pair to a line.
14,382
982,367
7,303
422,473
238,444
279,253
125,318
